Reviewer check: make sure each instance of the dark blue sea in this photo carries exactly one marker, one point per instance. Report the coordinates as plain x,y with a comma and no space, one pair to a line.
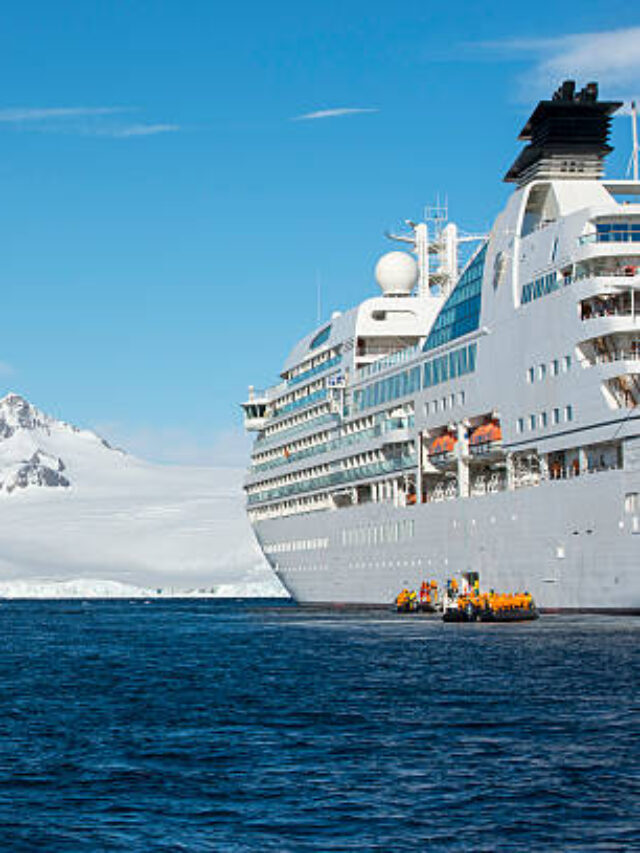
210,726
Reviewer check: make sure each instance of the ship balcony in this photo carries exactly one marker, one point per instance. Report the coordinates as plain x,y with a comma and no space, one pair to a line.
623,390
613,232
591,247
444,459
486,451
312,372
589,285
604,315
337,478
615,356
396,435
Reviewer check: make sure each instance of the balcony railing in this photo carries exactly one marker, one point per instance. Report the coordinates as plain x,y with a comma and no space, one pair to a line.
312,423
614,233
598,308
562,472
625,275
485,448
335,478
398,357
632,354
316,397
337,443
314,371
443,457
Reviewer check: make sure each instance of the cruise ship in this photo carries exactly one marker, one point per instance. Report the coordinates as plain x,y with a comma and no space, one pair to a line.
479,415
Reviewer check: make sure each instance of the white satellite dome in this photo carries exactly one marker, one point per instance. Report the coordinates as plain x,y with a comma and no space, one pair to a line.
397,273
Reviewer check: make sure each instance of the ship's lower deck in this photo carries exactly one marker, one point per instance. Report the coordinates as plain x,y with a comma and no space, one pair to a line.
573,544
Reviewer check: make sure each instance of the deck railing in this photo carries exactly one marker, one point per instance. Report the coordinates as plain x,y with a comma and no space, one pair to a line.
632,354
335,478
338,443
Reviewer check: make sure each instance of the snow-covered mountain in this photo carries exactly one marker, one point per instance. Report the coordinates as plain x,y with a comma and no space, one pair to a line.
28,440
73,508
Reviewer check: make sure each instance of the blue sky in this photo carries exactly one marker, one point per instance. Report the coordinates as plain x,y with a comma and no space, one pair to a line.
166,210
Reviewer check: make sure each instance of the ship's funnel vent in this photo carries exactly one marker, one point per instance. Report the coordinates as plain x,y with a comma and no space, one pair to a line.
568,136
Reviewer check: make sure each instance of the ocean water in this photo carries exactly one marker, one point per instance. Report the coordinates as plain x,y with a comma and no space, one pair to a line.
209,726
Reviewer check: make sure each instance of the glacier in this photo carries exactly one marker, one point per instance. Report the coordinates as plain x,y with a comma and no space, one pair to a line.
80,518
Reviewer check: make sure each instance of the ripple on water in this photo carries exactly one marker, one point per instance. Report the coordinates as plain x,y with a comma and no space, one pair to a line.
208,726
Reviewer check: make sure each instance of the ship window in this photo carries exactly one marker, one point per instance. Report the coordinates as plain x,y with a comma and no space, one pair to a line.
543,420
532,421
566,363
499,267
321,338
542,371
472,350
426,408
540,287
461,312
556,416
435,406
449,366
568,413
520,425
631,502
555,367
452,400
531,375
618,232
461,398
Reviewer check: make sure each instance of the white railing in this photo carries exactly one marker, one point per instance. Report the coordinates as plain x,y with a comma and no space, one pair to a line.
616,355
398,357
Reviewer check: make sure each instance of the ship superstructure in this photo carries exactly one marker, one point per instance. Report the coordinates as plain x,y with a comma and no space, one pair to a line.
481,415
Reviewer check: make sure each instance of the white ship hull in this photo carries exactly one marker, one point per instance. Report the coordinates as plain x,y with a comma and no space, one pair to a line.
569,543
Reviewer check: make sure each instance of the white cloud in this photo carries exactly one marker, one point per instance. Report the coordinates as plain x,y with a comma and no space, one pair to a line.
84,121
334,113
30,114
612,57
135,130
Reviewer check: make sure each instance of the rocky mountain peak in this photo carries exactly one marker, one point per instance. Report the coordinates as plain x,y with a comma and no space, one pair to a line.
16,413
31,444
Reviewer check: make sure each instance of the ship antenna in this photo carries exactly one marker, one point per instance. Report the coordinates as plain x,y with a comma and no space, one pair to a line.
318,298
634,134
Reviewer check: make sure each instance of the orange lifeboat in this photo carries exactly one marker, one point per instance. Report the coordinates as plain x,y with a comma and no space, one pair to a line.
485,435
442,446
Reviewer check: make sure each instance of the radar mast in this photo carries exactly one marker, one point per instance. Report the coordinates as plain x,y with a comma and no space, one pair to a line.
435,243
